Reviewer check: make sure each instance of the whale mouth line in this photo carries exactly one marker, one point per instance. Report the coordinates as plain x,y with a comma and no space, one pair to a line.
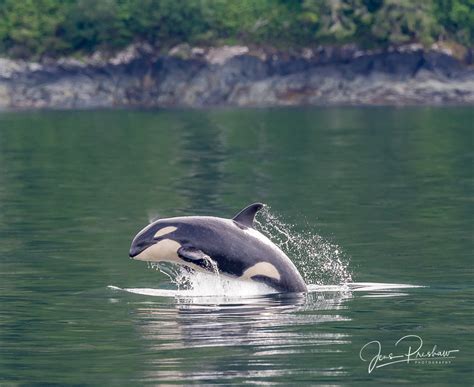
137,250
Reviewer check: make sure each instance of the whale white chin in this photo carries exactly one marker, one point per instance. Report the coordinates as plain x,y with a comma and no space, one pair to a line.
165,250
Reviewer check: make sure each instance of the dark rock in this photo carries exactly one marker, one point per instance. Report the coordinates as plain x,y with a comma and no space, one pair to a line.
239,77
442,64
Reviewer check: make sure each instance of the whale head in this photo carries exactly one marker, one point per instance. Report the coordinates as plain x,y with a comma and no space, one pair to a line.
161,240
153,243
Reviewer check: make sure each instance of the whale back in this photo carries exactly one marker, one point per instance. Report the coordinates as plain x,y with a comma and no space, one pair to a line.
238,251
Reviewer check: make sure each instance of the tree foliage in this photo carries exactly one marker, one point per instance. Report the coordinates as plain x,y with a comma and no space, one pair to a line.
34,28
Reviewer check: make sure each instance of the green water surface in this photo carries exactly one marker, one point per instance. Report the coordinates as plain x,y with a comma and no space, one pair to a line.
392,187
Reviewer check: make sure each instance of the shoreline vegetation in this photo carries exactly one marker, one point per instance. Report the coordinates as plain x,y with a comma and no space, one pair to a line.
36,29
198,53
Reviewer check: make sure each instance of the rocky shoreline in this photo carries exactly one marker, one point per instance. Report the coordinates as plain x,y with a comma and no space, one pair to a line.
239,76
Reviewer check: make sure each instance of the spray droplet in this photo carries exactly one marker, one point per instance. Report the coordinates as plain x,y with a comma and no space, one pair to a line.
319,261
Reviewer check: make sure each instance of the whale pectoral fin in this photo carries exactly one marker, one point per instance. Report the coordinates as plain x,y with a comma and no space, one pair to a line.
198,258
247,215
191,254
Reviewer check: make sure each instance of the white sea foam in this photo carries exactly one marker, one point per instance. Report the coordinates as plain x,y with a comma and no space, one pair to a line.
213,287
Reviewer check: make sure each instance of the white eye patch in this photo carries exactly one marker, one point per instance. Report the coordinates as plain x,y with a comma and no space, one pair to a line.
164,231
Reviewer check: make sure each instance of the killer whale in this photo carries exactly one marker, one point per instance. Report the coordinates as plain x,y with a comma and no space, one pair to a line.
232,246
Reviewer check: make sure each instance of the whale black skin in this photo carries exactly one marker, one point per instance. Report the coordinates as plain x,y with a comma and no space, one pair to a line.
232,245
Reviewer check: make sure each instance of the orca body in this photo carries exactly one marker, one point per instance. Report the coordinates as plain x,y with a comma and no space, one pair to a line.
232,246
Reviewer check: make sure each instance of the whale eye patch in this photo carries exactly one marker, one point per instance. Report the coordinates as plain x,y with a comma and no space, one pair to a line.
164,231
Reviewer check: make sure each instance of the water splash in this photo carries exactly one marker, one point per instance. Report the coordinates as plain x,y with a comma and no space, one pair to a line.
191,283
153,216
186,278
319,261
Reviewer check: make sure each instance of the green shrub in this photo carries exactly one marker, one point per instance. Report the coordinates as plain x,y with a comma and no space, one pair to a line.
35,28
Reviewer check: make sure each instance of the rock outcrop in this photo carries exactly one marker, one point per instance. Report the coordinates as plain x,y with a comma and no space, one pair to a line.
238,76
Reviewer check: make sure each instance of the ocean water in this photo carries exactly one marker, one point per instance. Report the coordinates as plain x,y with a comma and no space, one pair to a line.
373,205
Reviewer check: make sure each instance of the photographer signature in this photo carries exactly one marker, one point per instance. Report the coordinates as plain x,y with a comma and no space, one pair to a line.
372,352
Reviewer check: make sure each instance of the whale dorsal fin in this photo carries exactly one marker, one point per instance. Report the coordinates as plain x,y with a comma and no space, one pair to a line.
247,215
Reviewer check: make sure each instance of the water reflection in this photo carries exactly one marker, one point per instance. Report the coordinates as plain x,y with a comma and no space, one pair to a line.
201,157
244,338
